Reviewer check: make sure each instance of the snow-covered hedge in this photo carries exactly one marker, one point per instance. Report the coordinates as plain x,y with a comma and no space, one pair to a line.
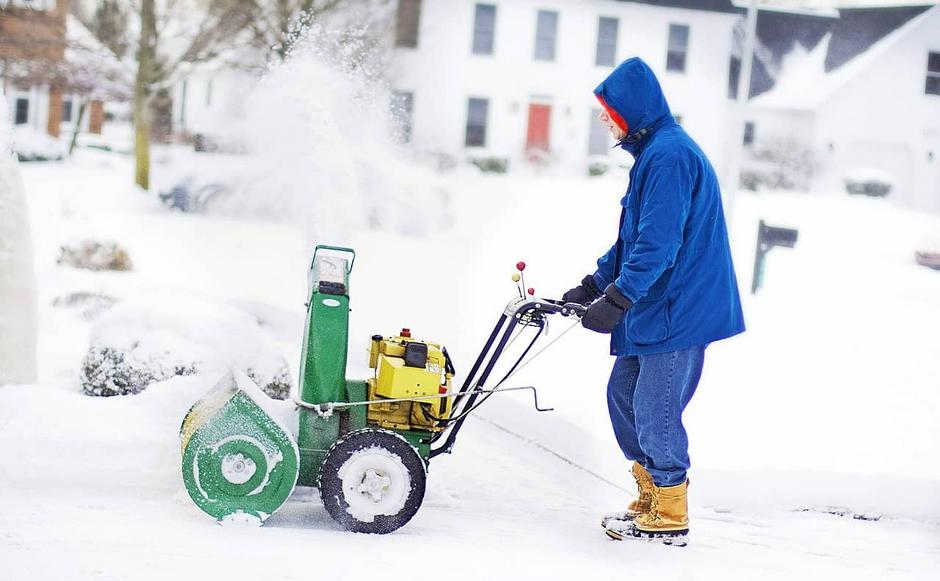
95,255
32,145
136,344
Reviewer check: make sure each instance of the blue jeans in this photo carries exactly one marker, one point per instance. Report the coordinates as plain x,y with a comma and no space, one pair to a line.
646,396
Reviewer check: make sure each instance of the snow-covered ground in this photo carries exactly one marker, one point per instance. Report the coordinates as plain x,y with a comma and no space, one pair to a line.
828,404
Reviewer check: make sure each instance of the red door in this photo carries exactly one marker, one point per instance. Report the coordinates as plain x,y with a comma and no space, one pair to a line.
539,120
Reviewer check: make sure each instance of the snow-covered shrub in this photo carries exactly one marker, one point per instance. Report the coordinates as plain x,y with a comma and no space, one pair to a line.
491,164
32,145
868,182
89,304
95,255
779,163
136,344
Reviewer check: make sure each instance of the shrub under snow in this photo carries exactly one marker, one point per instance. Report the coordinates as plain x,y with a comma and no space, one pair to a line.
136,344
95,255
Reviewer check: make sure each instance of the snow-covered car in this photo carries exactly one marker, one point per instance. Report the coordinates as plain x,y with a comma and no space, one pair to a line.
868,181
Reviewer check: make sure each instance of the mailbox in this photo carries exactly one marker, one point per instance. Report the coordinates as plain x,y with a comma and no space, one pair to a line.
767,238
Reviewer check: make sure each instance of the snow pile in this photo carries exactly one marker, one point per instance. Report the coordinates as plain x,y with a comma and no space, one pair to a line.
95,255
32,145
869,181
137,344
18,325
322,150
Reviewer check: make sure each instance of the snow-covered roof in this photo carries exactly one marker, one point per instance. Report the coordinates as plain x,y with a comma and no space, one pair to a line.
804,83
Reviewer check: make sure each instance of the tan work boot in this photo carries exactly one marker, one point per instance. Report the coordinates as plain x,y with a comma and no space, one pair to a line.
668,517
644,487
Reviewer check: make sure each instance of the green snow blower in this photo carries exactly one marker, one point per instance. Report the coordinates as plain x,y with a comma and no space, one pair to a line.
365,444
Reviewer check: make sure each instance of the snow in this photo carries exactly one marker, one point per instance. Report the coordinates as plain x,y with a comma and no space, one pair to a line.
159,337
825,409
30,144
18,312
825,404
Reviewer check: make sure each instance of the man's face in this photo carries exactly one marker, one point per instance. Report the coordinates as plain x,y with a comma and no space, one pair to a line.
616,131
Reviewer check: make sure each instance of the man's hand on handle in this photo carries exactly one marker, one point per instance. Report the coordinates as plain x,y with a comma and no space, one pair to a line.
604,315
585,293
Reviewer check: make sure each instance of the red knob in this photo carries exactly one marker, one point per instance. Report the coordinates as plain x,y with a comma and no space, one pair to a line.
405,332
520,265
531,291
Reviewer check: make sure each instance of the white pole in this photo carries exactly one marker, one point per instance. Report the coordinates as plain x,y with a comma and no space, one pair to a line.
733,174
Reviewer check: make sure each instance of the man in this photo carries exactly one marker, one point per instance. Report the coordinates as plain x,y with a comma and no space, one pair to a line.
669,289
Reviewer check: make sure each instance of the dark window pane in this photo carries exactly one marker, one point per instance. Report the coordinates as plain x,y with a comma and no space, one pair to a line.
749,133
933,62
677,47
407,20
402,106
22,111
546,28
484,28
606,41
933,85
67,110
476,122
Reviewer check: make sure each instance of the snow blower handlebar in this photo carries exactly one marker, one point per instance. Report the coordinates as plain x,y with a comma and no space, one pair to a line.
521,311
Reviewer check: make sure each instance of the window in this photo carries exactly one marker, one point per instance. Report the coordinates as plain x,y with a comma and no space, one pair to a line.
749,133
402,105
67,110
598,135
677,48
606,42
21,116
484,28
545,31
476,122
407,19
933,74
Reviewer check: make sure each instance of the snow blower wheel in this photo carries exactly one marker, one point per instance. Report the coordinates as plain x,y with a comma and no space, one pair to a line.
372,481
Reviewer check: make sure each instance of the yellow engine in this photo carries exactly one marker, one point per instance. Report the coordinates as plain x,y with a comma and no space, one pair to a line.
408,369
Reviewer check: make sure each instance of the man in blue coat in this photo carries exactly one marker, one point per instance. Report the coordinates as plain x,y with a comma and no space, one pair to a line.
669,289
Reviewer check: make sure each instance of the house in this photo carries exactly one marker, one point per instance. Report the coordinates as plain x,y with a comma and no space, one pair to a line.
510,82
859,93
50,65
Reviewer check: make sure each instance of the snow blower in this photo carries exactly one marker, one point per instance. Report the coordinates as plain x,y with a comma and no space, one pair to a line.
365,444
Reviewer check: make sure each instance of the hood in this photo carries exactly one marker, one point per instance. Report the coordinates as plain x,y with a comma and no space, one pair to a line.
633,98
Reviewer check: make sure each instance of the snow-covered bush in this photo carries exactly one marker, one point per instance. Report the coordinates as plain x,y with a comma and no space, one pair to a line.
136,344
779,163
491,164
89,304
868,181
32,145
95,255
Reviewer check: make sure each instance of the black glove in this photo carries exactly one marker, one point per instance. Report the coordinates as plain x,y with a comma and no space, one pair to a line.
603,315
585,293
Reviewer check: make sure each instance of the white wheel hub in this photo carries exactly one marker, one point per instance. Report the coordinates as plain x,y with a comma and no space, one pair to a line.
375,482
238,469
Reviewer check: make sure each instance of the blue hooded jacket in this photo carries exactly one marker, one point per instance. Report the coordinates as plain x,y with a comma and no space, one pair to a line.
672,257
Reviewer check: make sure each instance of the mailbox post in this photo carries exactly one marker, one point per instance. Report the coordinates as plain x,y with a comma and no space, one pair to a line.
767,238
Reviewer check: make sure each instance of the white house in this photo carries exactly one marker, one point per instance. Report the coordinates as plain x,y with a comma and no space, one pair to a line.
513,79
880,110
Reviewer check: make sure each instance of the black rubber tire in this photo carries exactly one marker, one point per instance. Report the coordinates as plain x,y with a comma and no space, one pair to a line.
331,486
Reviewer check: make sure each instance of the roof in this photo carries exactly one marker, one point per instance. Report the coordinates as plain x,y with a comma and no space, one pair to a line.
707,5
807,77
856,30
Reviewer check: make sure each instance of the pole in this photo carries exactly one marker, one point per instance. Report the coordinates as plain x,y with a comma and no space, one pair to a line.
733,175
